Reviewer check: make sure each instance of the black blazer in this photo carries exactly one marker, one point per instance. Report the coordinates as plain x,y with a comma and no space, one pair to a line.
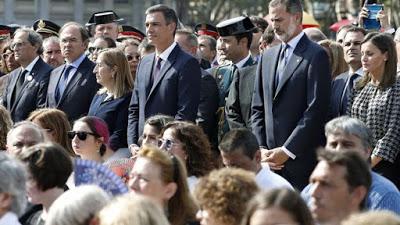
294,114
115,113
207,112
176,92
33,91
340,95
78,94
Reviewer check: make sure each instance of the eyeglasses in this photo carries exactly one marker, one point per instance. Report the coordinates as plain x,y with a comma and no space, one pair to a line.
15,45
95,49
82,135
130,57
167,143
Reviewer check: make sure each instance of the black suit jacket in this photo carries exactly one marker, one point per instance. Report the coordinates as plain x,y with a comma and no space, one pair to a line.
115,113
207,113
78,94
340,94
176,92
294,114
33,91
238,103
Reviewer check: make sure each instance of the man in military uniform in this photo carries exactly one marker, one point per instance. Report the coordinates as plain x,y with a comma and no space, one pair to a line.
235,40
106,24
46,28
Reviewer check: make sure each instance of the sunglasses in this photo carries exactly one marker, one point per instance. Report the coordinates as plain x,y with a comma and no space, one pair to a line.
167,143
82,135
130,58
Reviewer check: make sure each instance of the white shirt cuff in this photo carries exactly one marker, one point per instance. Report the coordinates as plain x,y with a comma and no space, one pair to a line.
289,153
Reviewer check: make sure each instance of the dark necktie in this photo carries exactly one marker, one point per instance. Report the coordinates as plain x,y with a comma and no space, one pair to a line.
62,83
18,84
156,70
281,65
348,91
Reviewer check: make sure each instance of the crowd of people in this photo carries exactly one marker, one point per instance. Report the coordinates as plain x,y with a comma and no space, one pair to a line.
249,122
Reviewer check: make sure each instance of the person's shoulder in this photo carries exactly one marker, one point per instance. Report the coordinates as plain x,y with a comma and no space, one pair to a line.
381,183
248,69
342,76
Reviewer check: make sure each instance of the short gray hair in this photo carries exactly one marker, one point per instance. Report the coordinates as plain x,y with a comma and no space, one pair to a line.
292,6
350,126
51,39
36,130
13,179
190,37
211,41
77,206
34,38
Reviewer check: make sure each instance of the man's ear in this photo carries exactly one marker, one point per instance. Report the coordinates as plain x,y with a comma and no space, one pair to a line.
172,26
257,156
170,190
5,201
357,195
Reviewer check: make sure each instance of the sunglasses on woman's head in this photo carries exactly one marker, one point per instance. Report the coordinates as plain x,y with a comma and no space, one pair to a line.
82,135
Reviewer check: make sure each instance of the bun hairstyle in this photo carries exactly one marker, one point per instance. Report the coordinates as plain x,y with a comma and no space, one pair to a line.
99,128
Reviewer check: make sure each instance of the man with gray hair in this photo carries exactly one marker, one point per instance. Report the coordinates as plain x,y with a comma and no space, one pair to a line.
52,52
27,85
23,135
291,96
350,134
12,189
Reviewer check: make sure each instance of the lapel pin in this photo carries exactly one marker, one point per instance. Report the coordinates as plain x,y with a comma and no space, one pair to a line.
29,78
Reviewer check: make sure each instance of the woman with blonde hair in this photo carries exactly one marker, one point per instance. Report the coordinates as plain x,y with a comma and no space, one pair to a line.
336,57
163,178
112,101
132,210
55,125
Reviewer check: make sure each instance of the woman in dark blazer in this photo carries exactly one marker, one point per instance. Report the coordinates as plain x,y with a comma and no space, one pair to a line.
112,101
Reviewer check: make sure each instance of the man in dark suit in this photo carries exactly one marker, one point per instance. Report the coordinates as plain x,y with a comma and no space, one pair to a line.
343,85
167,81
206,114
291,96
27,86
73,85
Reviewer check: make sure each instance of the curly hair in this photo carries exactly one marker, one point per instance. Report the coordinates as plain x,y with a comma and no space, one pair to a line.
5,124
195,144
224,194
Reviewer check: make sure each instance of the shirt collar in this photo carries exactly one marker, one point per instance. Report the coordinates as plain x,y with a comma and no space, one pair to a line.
30,66
294,41
165,54
243,61
78,61
360,71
